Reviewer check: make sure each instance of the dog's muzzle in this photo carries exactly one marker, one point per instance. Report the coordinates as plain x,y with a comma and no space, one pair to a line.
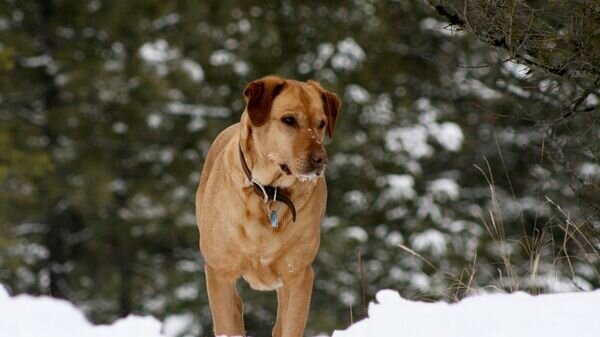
314,163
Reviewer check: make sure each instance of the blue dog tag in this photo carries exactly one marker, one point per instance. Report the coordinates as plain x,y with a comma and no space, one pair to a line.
273,218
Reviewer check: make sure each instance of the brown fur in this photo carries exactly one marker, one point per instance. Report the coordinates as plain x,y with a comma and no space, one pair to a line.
236,238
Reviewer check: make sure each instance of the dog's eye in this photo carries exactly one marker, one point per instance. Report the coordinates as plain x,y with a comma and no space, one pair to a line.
289,120
322,124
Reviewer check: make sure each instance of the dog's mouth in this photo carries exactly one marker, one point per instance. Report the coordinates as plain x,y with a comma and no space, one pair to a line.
308,175
285,169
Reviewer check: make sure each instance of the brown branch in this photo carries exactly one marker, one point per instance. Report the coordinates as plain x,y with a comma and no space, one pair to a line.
529,37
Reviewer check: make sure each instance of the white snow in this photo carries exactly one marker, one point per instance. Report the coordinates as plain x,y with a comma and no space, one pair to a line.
244,26
431,240
154,120
498,315
349,56
592,100
473,86
178,325
589,171
324,52
441,27
36,61
401,186
193,69
491,315
165,21
516,69
356,93
241,68
158,51
356,198
357,233
308,177
28,316
381,112
448,134
444,189
221,57
197,113
412,140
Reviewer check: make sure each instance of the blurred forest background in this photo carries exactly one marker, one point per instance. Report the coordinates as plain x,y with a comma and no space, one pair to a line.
466,157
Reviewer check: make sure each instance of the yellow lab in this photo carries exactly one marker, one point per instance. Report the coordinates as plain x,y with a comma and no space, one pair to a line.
261,199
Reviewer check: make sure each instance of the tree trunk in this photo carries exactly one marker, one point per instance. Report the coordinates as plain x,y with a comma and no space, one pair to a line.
54,215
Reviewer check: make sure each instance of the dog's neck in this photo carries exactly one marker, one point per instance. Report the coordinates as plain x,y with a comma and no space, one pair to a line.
263,170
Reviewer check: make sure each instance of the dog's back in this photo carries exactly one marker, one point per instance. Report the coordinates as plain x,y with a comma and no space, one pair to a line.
213,154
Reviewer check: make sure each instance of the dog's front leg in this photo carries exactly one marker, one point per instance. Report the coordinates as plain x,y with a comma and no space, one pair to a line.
225,304
293,301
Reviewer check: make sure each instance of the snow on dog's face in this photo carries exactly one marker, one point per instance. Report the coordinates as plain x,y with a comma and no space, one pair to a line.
289,121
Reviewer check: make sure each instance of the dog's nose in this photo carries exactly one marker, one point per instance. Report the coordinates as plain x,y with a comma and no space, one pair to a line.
318,157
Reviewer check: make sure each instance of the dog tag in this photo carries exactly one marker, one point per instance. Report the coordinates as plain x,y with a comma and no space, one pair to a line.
273,218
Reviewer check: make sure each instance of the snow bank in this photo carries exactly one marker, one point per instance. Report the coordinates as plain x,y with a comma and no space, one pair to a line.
501,315
28,316
515,315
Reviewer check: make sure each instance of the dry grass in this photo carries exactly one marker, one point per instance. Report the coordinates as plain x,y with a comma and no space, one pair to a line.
547,258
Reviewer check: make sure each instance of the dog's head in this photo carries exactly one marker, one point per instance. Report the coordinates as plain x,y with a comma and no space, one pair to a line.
288,121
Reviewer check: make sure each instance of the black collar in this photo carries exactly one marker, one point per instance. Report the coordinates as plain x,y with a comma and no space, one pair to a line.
269,193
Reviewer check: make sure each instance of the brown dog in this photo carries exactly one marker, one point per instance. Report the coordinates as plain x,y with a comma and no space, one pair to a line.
261,199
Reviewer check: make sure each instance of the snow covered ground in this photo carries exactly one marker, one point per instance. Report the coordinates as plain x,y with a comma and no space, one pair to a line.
501,315
28,316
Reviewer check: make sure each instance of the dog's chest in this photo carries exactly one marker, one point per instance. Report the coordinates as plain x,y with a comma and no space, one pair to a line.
265,221
261,242
261,273
269,270
267,261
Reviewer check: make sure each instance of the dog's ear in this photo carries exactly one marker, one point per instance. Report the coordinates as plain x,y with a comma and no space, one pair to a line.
259,96
331,104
